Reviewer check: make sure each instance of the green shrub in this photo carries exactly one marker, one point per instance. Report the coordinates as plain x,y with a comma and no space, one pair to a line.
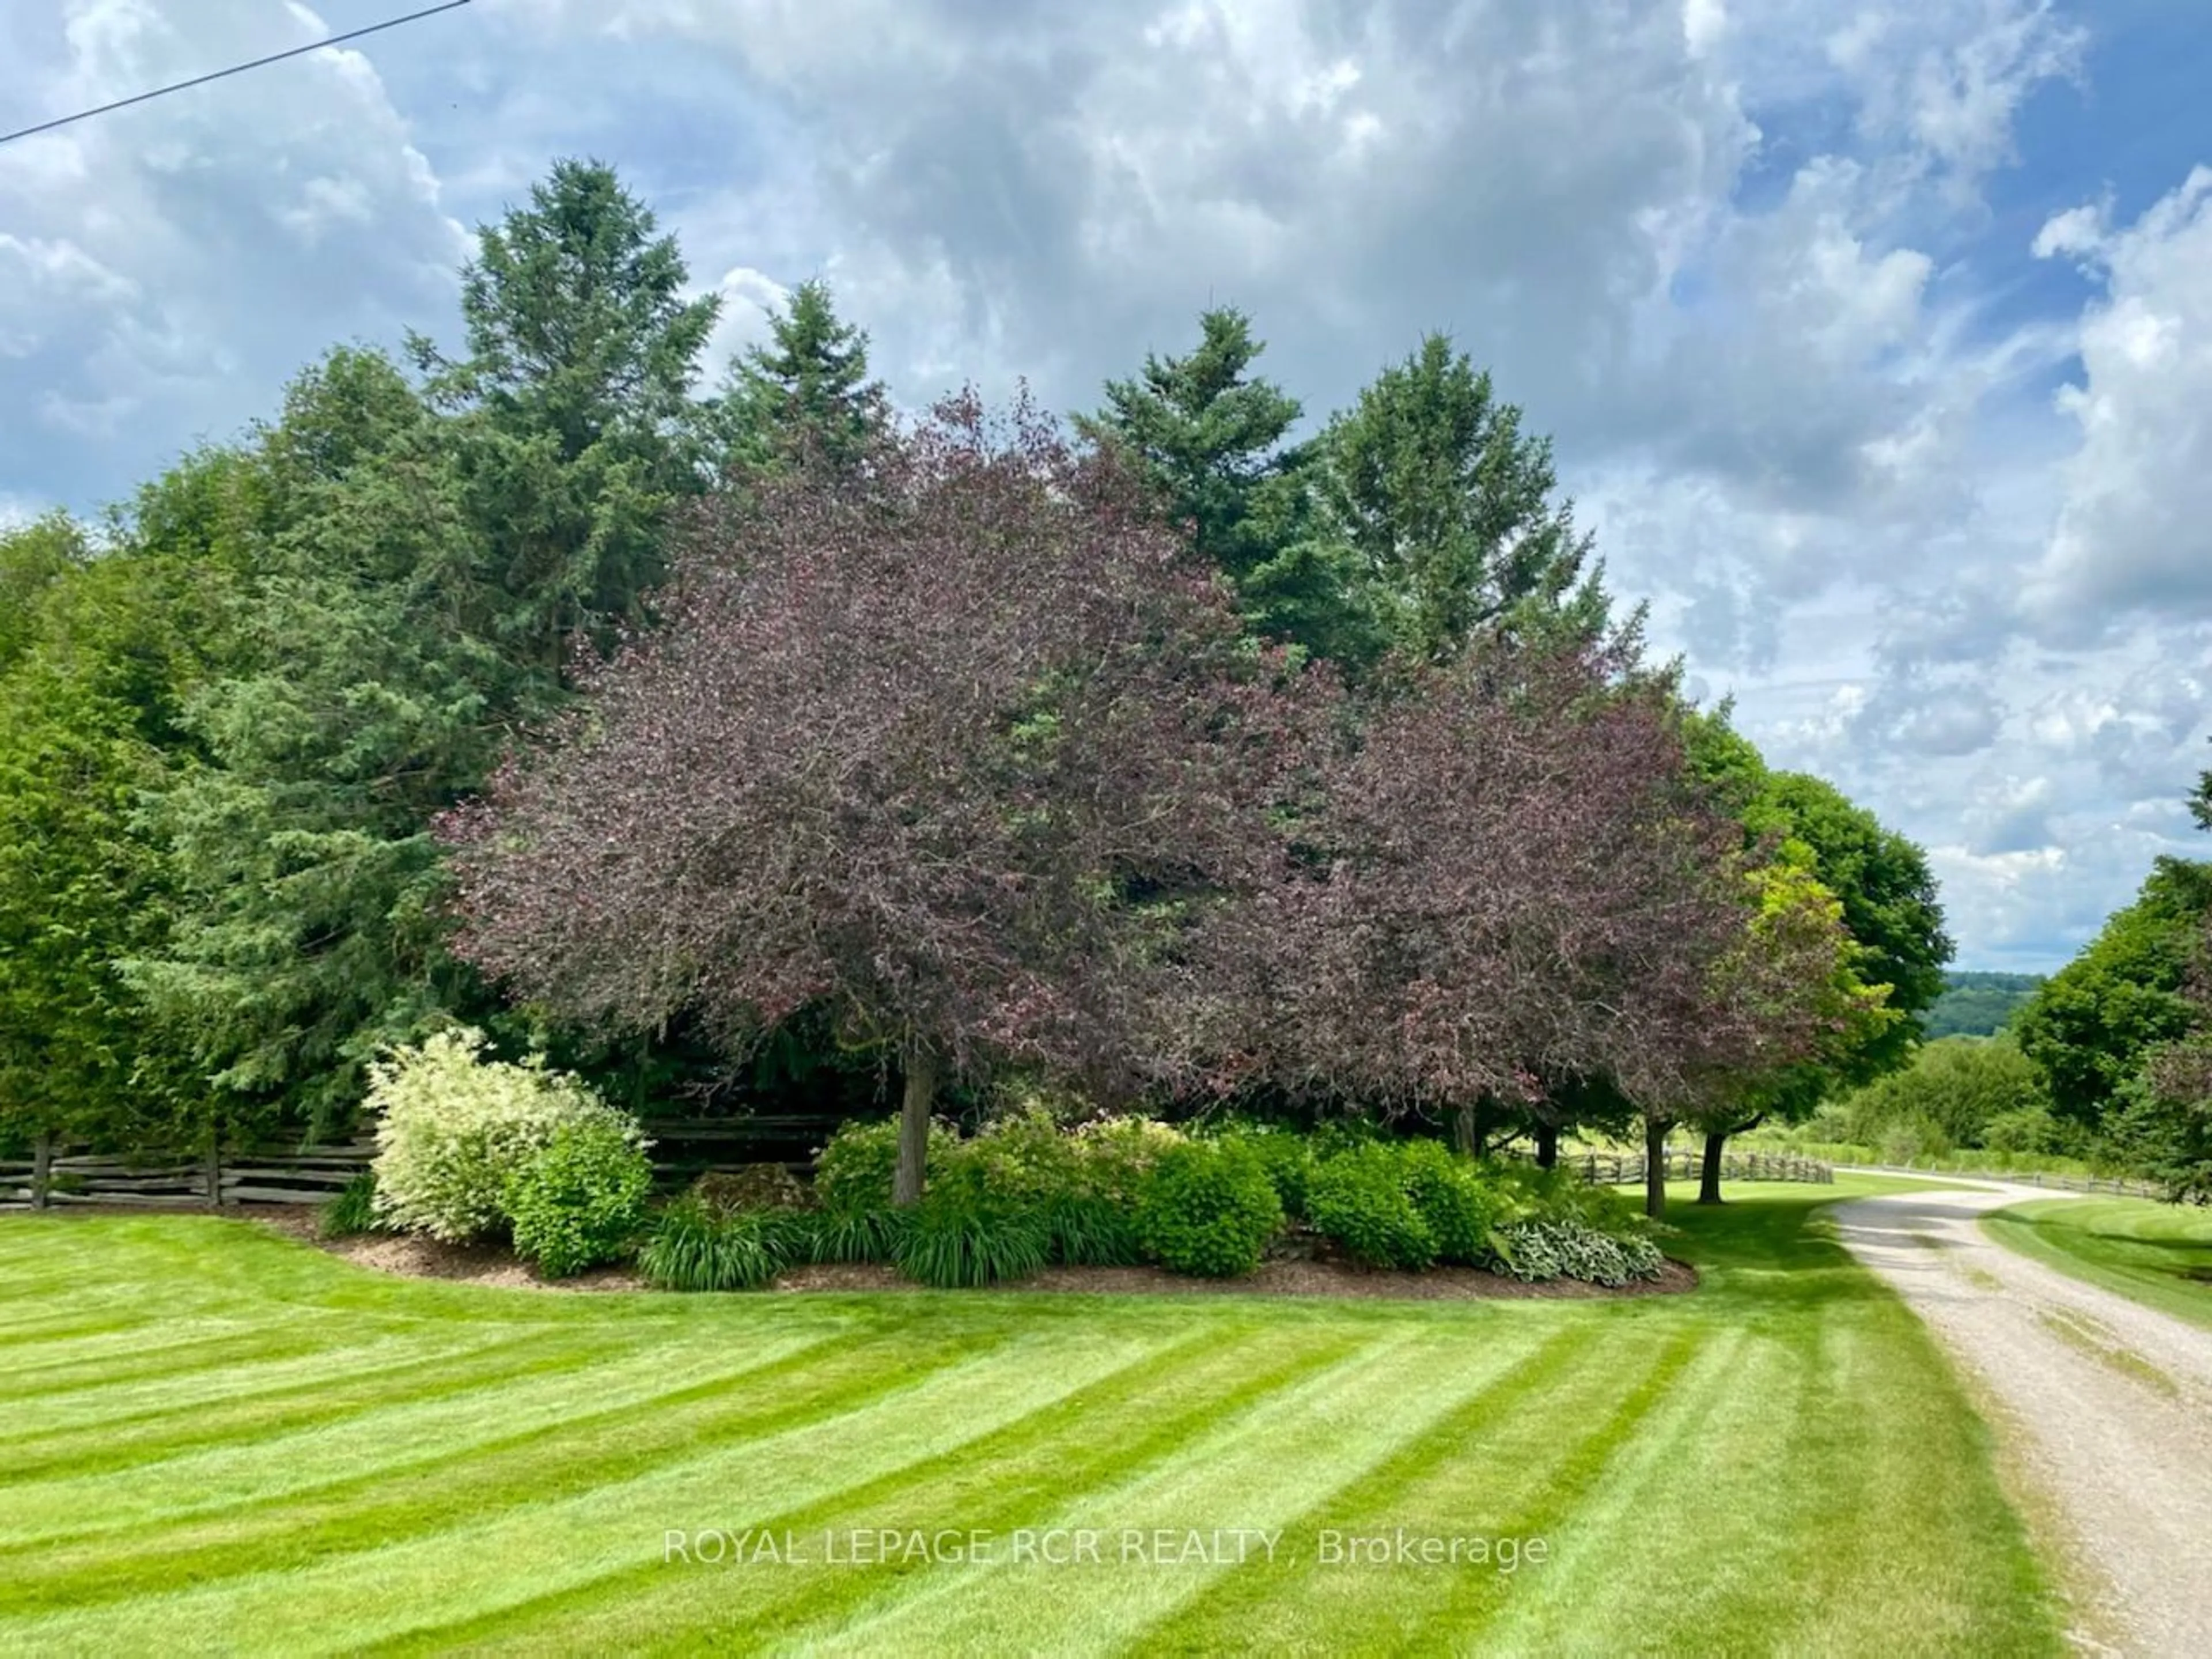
1344,1134
1459,1207
957,1239
695,1246
2030,1130
1947,1098
453,1127
1024,1157
1287,1156
856,1170
580,1199
1360,1199
1561,1194
1115,1156
1537,1250
352,1210
1209,1209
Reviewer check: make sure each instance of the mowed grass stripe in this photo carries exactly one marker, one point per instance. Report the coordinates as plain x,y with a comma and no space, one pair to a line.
449,1568
89,1402
1835,1535
1149,1409
1799,1470
1331,1432
464,1419
418,1488
1027,1484
34,1325
1488,1468
132,1438
180,1355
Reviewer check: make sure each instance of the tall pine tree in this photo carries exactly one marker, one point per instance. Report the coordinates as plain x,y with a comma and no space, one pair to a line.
578,435
804,393
427,565
1212,438
1443,508
365,692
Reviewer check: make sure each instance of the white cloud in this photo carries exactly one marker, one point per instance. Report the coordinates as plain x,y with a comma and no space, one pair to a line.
1736,257
2134,533
165,266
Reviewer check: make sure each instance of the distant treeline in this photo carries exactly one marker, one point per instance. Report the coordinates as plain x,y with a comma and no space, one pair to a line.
1978,1005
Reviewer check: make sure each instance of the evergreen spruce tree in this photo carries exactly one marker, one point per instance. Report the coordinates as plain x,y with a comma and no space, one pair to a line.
364,691
577,434
803,394
1442,508
1212,438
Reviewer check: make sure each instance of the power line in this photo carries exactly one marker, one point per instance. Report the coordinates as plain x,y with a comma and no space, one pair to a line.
235,69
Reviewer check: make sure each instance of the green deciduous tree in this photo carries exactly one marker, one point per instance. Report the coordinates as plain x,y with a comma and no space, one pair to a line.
1885,897
2094,1021
1850,1012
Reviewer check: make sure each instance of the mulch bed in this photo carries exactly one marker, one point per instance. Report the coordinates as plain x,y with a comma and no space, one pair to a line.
415,1257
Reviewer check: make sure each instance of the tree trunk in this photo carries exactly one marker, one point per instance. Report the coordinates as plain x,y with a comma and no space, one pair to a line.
914,1126
1463,1131
1655,1168
1547,1146
1709,1177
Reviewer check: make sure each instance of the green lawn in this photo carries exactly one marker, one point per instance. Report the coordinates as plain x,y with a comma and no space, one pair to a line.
217,1438
2159,1254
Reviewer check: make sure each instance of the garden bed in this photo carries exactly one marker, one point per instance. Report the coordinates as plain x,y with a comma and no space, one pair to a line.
416,1257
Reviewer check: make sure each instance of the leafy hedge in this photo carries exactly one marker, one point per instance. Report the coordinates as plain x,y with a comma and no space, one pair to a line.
1024,1192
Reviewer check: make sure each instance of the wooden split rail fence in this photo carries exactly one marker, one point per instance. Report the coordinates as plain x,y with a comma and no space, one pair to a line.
1617,1168
2063,1183
683,1149
56,1176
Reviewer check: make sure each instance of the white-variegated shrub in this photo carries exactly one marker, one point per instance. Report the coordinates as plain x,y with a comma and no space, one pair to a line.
453,1128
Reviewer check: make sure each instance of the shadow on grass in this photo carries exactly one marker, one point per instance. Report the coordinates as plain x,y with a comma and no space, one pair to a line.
1771,1245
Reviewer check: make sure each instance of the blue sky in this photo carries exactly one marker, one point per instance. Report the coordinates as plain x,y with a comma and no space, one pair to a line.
1876,337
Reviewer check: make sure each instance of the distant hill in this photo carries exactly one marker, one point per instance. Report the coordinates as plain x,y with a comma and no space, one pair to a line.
1978,1005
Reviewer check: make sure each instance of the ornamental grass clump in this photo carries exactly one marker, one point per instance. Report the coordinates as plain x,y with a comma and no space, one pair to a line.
960,1239
696,1246
352,1211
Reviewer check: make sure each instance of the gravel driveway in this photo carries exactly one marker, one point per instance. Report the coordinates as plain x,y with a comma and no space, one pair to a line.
2108,1402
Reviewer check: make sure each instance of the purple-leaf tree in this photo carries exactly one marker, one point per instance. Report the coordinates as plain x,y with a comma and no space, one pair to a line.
1516,883
957,744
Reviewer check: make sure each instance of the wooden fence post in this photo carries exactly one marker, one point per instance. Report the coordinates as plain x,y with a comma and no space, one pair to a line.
212,1174
42,1168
